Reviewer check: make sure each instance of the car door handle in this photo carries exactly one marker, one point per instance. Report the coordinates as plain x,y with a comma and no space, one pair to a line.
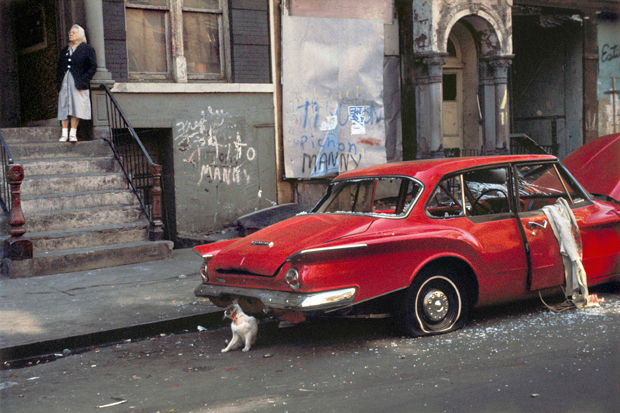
533,224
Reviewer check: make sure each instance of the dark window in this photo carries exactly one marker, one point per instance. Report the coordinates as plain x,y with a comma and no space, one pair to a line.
449,87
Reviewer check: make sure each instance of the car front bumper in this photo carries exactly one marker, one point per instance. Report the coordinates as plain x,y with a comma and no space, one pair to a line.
324,300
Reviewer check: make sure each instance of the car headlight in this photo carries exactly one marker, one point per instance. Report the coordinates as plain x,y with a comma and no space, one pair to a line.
292,278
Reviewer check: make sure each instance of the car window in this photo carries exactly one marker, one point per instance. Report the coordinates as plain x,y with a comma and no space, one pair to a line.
486,191
539,185
445,202
389,196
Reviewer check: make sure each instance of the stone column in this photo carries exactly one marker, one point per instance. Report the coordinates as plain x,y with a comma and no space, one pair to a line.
179,62
488,106
94,22
500,66
95,36
429,101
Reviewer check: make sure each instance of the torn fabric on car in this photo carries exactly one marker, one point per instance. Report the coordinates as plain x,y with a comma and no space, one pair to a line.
566,231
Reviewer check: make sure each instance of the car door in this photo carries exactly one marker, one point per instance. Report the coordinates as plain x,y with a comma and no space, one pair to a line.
489,221
539,185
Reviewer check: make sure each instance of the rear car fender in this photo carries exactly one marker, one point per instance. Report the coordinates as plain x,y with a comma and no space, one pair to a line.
460,265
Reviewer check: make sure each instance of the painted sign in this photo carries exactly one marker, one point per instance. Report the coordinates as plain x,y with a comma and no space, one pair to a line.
333,112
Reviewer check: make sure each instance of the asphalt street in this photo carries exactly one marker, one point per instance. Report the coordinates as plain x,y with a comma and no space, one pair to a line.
515,358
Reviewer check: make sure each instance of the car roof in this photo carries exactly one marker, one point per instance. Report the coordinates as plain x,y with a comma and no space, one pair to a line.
426,169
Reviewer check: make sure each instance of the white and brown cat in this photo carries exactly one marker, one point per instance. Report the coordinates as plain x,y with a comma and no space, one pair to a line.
243,326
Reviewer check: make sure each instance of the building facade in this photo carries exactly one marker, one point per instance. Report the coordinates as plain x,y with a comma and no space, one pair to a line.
253,103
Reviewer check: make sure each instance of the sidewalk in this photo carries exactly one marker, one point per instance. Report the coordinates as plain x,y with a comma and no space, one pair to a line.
44,315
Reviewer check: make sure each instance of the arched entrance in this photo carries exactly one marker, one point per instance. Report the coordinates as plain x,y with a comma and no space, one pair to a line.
452,106
472,45
461,63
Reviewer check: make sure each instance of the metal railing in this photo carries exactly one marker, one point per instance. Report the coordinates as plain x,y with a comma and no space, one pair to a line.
17,247
520,143
143,175
5,191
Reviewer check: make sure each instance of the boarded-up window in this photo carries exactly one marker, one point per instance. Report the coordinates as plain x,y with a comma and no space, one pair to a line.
197,25
146,40
201,41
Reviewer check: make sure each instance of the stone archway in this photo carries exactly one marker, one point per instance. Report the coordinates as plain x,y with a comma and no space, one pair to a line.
485,31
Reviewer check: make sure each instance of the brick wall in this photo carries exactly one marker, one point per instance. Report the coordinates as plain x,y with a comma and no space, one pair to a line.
249,38
115,39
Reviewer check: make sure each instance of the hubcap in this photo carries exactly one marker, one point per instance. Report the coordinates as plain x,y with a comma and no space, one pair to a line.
435,305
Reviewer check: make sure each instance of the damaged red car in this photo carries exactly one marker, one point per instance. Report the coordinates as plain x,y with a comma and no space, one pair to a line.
430,239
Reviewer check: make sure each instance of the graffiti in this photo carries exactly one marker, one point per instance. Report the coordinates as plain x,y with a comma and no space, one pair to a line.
326,162
313,113
215,148
609,53
324,149
356,114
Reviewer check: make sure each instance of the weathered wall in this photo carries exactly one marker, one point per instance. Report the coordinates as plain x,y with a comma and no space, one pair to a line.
434,19
115,39
547,82
224,158
249,38
609,68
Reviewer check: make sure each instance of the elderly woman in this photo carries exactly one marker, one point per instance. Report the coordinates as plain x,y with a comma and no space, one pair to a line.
76,67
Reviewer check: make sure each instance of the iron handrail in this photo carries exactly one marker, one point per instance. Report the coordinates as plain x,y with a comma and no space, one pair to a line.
143,175
5,191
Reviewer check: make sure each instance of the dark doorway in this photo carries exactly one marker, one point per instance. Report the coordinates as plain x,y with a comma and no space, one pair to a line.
158,144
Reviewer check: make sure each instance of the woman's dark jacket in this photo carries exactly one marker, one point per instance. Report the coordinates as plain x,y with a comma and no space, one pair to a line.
82,64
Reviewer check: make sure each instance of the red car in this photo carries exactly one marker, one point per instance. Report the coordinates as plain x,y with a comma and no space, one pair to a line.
430,238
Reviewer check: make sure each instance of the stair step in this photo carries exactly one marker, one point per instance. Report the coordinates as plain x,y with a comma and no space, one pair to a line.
80,213
89,237
31,134
92,199
62,166
41,185
82,259
46,150
76,218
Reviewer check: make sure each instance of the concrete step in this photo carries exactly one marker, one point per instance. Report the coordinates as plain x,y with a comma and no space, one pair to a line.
31,134
44,184
62,166
77,218
89,237
47,150
82,259
79,200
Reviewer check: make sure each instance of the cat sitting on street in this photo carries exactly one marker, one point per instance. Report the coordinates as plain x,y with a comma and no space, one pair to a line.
243,326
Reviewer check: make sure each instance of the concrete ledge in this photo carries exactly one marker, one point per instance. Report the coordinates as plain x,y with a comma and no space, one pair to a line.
193,88
17,269
19,355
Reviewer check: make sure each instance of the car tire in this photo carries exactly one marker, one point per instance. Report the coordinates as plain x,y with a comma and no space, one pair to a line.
435,303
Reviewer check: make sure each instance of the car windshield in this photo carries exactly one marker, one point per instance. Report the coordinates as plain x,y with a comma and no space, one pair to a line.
392,196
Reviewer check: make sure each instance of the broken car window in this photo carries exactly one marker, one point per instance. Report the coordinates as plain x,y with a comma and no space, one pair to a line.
486,191
539,185
445,202
386,196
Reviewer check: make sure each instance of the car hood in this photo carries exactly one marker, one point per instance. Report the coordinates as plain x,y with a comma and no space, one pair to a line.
263,252
595,165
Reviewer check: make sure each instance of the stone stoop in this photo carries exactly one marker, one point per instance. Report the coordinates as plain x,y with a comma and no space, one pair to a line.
79,211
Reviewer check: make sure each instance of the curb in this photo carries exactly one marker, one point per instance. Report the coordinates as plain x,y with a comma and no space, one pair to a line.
26,354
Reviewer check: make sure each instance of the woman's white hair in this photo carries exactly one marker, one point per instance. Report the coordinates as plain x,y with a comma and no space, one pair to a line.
81,34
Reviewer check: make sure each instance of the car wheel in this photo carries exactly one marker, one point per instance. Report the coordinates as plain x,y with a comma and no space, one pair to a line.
435,303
